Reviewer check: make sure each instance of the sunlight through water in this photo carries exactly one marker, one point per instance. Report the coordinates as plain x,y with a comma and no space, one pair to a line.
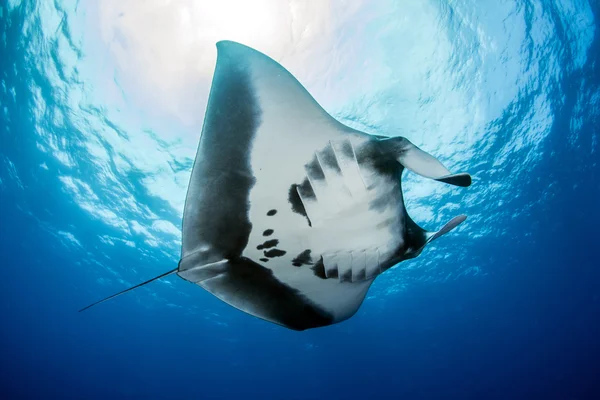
117,91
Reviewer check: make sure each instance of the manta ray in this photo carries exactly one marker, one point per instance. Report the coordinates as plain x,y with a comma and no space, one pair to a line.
290,215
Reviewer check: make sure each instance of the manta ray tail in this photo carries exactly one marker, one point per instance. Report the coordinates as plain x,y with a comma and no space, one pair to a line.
131,288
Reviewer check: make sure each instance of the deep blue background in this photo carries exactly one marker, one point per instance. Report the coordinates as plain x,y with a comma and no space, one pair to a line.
529,328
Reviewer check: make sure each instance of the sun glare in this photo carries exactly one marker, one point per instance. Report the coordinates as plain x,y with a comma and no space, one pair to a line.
256,23
163,51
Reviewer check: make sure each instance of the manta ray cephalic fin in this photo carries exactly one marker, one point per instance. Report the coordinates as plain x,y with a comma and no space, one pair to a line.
421,237
422,163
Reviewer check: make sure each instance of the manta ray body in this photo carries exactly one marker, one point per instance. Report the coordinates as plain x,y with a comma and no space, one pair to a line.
290,215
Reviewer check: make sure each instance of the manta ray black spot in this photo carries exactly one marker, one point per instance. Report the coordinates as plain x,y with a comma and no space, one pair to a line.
270,213
264,259
296,201
302,259
268,232
268,244
274,253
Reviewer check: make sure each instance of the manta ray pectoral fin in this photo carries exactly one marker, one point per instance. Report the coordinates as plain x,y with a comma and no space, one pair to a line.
422,163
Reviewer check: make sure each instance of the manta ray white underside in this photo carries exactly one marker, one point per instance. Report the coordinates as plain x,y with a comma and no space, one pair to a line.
290,215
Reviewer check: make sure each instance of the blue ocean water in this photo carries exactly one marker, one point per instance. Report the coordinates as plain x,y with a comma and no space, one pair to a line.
101,108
